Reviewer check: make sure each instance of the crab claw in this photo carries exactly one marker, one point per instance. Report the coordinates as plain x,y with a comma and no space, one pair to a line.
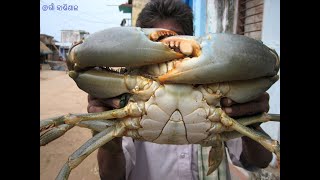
222,58
122,46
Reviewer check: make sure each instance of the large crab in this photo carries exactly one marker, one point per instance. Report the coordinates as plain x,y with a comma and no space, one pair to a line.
170,88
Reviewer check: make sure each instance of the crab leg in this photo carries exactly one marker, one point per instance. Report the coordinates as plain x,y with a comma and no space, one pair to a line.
216,152
104,84
226,133
245,121
91,145
264,117
215,156
267,142
96,125
51,122
261,118
54,133
274,117
131,109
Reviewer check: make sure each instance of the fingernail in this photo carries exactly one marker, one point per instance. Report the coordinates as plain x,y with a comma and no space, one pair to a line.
229,101
228,110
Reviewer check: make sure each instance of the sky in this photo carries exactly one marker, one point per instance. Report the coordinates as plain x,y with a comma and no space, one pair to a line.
91,16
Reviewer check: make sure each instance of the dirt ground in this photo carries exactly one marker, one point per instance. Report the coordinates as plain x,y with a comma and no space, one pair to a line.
59,95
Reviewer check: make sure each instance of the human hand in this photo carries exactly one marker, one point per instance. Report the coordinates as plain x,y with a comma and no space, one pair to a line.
253,153
111,160
233,109
100,105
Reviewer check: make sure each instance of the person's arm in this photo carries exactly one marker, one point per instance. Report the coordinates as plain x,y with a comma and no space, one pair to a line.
253,153
111,159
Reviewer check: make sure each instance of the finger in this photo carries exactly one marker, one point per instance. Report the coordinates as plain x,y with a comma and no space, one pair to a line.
96,102
94,109
94,105
227,102
264,97
246,109
113,103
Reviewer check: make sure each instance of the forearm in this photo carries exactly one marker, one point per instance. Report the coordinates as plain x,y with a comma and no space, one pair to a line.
254,154
111,165
111,160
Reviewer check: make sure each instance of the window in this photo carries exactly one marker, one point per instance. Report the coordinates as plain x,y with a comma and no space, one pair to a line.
250,17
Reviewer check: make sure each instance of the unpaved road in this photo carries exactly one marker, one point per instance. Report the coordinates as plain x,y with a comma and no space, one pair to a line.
60,95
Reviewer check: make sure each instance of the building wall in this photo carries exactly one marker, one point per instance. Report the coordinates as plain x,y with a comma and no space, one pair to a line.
71,36
254,30
63,51
48,41
137,6
220,16
199,16
271,37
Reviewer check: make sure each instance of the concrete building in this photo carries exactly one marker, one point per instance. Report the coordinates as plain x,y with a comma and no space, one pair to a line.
47,41
69,37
